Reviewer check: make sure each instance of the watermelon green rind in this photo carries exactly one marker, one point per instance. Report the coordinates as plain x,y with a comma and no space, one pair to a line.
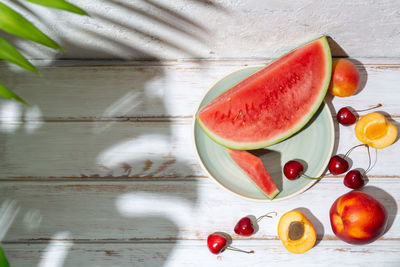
271,196
256,145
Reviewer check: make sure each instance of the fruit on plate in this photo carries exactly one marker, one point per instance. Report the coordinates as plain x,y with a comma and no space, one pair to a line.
218,242
273,103
345,78
296,232
255,171
375,130
245,226
293,169
358,218
353,179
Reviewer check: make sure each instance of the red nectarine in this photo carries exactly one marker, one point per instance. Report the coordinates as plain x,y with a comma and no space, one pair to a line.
345,78
358,218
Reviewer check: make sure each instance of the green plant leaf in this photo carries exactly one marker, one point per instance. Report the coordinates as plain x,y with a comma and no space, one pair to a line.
60,4
14,23
3,259
9,53
7,93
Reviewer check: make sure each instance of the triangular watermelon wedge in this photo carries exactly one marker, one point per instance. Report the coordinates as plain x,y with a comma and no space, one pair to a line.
255,171
273,103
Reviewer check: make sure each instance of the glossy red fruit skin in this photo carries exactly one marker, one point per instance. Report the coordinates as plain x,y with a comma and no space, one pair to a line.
338,165
244,227
358,218
293,169
216,243
346,117
354,180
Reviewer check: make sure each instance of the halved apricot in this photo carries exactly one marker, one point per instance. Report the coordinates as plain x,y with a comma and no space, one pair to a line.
375,130
296,232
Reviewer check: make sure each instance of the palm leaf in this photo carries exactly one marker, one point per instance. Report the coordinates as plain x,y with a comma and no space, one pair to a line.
9,53
3,260
12,22
60,4
7,93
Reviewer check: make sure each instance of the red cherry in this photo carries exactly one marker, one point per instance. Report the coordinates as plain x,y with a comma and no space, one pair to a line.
293,169
216,243
354,179
338,165
244,227
346,117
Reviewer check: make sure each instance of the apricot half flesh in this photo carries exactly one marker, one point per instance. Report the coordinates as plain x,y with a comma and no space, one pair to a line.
375,130
296,232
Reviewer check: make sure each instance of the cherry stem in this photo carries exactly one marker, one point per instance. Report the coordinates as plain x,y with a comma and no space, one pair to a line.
377,106
351,149
311,178
267,215
240,250
369,162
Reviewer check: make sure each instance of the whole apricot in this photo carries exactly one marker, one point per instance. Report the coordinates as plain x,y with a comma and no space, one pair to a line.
358,218
345,78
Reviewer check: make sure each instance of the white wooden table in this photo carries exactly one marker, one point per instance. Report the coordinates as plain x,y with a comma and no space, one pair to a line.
101,171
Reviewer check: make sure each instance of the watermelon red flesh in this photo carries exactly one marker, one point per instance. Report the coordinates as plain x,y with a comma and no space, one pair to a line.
273,103
255,170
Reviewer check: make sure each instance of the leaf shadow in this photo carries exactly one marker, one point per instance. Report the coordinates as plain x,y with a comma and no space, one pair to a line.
115,176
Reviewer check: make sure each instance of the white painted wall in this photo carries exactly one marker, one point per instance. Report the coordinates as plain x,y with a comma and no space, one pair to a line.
132,29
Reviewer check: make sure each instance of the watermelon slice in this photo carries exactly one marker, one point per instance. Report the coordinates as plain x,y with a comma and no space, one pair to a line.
255,171
273,103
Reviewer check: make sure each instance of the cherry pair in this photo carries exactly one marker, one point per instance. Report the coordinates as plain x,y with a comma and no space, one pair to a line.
353,179
217,242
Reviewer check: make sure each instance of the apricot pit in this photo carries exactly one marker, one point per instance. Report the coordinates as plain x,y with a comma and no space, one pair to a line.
296,232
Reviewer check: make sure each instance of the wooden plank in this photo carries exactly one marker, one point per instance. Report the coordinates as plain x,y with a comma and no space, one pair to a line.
195,253
160,211
133,150
223,28
104,150
102,90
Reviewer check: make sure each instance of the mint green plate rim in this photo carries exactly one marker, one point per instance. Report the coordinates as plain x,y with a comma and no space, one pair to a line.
323,116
